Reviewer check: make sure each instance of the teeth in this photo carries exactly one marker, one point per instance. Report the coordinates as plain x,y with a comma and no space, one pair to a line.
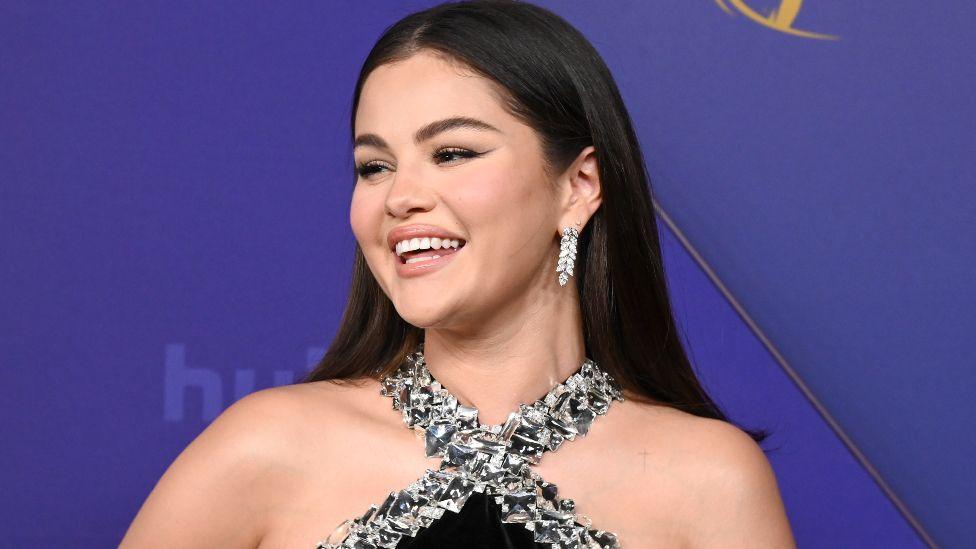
426,243
416,259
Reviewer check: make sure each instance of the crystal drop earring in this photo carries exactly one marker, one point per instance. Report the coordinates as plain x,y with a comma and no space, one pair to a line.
567,254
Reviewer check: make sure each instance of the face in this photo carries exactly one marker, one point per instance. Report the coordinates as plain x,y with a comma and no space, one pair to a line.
487,186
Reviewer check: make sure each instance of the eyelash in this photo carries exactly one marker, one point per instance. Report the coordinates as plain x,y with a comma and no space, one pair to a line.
364,170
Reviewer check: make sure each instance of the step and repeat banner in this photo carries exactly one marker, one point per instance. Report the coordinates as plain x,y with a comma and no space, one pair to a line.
175,182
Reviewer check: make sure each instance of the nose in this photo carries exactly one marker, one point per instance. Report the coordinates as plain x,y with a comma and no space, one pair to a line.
408,194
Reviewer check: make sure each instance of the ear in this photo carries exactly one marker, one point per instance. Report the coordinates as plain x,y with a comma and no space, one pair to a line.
581,191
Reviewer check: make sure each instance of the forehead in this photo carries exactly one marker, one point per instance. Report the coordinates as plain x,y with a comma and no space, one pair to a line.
400,97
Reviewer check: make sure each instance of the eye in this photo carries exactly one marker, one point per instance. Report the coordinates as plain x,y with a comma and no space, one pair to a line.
447,154
367,169
455,151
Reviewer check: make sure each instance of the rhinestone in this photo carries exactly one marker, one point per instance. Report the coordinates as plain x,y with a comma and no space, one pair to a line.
495,460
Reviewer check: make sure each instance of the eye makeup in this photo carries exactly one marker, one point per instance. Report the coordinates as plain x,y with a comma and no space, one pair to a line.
366,169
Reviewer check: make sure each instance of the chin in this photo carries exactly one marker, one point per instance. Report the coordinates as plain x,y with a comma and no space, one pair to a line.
422,322
419,314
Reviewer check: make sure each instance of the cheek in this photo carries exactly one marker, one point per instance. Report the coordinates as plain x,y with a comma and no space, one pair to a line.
365,219
363,212
511,212
486,200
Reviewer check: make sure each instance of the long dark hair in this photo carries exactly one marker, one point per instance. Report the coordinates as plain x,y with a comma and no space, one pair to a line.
558,84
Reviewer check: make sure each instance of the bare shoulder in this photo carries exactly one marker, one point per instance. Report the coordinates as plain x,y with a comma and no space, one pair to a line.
221,489
322,418
731,497
348,399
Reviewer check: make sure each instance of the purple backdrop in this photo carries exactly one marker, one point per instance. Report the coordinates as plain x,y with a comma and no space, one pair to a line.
174,234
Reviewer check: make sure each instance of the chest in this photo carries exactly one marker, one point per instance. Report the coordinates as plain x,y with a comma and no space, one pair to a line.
634,496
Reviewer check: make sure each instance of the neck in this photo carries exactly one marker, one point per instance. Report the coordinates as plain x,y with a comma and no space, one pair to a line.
503,364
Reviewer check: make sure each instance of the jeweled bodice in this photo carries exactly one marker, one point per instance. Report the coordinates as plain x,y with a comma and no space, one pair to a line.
490,464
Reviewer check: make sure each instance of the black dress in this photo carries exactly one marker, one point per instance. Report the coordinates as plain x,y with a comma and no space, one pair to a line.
485,495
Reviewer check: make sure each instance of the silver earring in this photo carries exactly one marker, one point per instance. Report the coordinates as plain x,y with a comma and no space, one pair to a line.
567,254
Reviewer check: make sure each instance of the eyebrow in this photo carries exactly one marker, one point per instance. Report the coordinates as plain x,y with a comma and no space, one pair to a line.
428,131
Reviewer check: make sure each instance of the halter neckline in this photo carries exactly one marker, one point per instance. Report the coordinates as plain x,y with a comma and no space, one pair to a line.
492,460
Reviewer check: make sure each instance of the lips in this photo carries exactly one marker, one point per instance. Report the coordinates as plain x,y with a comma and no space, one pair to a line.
425,266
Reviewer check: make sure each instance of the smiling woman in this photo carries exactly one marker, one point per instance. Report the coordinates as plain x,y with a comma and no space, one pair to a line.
508,306
461,171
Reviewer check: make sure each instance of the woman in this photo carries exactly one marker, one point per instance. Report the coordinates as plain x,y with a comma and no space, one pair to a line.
509,306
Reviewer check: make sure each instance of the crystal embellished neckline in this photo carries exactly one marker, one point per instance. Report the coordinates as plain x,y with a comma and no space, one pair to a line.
491,459
569,407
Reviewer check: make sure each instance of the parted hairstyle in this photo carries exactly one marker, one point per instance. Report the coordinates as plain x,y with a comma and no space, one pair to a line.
555,82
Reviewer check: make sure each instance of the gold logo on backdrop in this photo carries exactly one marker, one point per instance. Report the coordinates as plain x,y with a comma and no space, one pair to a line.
780,18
